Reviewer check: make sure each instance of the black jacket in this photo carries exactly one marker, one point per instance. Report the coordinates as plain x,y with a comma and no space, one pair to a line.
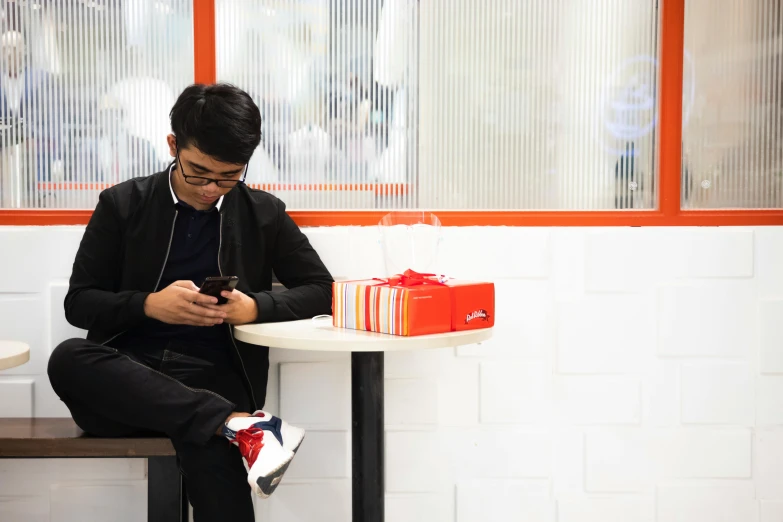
124,249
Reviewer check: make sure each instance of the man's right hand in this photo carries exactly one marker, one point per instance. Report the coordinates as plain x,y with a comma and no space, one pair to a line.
180,303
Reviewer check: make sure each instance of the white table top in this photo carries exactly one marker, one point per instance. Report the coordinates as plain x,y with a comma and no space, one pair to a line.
319,335
13,354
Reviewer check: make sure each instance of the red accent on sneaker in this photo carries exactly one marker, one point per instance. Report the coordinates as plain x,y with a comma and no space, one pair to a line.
250,442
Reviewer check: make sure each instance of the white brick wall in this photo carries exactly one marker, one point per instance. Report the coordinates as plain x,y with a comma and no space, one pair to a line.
717,393
636,374
716,502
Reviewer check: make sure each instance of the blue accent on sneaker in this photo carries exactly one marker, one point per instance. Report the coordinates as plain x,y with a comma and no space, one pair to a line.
229,433
274,425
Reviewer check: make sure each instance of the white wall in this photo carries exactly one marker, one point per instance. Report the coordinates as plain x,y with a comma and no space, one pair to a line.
636,374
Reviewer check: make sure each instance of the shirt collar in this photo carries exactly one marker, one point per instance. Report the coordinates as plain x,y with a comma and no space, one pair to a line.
174,195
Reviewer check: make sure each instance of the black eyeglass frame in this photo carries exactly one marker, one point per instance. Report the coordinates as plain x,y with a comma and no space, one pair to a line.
231,183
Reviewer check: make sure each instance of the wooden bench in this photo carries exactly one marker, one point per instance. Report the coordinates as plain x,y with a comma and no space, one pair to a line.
61,438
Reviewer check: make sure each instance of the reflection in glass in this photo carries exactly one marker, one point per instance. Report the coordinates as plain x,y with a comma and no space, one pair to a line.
85,91
538,104
335,82
732,139
449,103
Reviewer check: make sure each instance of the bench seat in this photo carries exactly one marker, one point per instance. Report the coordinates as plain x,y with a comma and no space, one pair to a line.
62,438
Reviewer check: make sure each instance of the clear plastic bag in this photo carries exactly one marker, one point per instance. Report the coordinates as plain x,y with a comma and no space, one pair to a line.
410,240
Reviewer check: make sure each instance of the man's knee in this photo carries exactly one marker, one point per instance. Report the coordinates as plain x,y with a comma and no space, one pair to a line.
62,361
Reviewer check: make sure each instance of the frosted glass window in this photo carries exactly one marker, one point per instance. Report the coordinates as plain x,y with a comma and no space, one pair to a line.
733,105
85,92
449,104
538,104
336,84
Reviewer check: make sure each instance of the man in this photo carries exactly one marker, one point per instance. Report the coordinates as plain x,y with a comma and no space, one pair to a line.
160,356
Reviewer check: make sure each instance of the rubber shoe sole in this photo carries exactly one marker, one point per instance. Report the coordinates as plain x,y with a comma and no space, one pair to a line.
264,477
268,469
266,485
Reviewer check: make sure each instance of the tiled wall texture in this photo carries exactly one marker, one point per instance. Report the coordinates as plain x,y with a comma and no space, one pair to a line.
635,375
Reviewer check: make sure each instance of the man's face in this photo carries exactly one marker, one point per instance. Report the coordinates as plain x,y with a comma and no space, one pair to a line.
193,162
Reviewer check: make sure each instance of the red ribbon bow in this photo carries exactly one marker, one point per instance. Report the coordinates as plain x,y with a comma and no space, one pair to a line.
411,278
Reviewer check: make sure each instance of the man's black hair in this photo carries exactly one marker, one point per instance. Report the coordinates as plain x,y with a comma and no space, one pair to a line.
220,120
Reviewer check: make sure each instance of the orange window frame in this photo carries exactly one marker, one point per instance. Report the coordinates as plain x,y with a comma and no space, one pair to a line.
668,212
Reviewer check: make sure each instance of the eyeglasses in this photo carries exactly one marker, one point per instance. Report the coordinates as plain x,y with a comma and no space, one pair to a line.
201,181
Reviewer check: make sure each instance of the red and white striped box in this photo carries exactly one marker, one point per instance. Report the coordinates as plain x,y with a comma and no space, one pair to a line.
413,304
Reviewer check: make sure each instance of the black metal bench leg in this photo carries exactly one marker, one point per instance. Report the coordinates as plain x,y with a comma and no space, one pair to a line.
166,499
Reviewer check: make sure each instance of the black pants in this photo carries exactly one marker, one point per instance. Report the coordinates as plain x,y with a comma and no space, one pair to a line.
183,392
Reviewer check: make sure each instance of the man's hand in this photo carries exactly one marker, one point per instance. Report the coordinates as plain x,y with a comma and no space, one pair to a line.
180,303
240,308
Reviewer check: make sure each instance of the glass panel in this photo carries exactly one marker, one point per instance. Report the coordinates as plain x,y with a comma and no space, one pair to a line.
85,92
733,105
449,103
538,104
335,81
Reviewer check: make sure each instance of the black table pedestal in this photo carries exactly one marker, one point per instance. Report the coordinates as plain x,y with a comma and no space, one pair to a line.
368,436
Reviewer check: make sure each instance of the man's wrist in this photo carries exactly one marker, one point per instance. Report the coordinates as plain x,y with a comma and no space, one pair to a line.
265,307
149,304
252,311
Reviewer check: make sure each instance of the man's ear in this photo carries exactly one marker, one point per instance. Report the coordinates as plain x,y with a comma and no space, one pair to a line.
172,141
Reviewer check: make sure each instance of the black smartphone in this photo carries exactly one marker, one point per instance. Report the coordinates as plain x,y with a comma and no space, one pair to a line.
214,285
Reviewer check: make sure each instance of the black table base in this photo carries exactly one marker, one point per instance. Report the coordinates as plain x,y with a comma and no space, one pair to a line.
368,437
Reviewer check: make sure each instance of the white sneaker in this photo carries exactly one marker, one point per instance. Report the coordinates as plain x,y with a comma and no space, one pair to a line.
267,444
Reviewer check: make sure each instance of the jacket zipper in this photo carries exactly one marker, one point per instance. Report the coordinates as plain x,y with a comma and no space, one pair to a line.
230,332
168,251
160,276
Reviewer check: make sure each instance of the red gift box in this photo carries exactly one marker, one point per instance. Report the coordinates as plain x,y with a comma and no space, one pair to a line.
413,304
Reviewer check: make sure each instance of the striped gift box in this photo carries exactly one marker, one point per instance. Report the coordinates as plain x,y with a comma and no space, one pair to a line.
393,308
369,307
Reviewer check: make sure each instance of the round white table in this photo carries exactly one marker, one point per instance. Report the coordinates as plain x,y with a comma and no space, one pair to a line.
367,418
13,354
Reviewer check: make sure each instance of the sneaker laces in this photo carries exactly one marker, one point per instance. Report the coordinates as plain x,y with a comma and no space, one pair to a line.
250,442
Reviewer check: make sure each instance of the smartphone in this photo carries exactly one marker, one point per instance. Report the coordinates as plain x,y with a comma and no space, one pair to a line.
214,285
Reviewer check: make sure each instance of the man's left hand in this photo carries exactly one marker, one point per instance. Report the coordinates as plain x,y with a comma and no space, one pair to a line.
240,308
